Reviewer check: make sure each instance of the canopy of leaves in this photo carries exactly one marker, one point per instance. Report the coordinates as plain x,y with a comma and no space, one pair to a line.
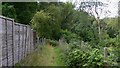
22,12
45,25
9,11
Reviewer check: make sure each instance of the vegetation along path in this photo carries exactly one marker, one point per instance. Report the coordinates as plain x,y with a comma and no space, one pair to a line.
46,55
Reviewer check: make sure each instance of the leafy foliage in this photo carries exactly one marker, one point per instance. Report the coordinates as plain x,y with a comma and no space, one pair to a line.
41,25
22,12
53,42
81,57
9,11
81,30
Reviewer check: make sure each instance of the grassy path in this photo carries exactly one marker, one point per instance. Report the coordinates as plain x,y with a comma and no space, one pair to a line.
45,56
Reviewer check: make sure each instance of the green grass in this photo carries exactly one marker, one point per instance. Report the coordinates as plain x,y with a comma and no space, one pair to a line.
46,55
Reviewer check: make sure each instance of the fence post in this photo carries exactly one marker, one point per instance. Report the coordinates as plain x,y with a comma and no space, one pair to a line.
22,41
13,30
6,42
1,31
105,56
26,41
18,43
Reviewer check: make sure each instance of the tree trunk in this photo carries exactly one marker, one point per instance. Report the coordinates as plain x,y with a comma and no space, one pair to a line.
98,21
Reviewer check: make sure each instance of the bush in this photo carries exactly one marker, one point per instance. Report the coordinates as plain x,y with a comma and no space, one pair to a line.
43,23
114,56
74,57
82,57
69,36
52,42
95,58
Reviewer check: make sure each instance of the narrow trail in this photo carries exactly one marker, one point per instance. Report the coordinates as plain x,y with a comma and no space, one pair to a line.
46,55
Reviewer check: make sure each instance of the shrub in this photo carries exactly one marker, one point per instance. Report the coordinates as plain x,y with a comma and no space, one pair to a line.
82,57
52,42
114,56
95,58
69,36
43,23
74,57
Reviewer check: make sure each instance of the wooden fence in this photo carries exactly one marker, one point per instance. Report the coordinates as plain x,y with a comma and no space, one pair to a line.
16,41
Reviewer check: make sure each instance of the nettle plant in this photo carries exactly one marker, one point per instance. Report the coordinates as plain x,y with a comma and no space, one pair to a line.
74,57
95,58
81,57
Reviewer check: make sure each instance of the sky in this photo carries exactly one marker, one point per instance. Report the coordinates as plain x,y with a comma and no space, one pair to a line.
112,6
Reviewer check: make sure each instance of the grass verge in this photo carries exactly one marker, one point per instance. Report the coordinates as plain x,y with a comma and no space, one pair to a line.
46,55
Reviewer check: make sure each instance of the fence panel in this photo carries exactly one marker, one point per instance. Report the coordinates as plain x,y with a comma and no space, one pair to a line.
16,41
3,35
9,41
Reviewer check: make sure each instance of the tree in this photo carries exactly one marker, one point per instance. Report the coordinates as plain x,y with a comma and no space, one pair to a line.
95,8
22,12
41,23
46,25
67,15
8,10
25,11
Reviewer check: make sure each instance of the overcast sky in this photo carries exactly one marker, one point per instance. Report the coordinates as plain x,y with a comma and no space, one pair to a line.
112,6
